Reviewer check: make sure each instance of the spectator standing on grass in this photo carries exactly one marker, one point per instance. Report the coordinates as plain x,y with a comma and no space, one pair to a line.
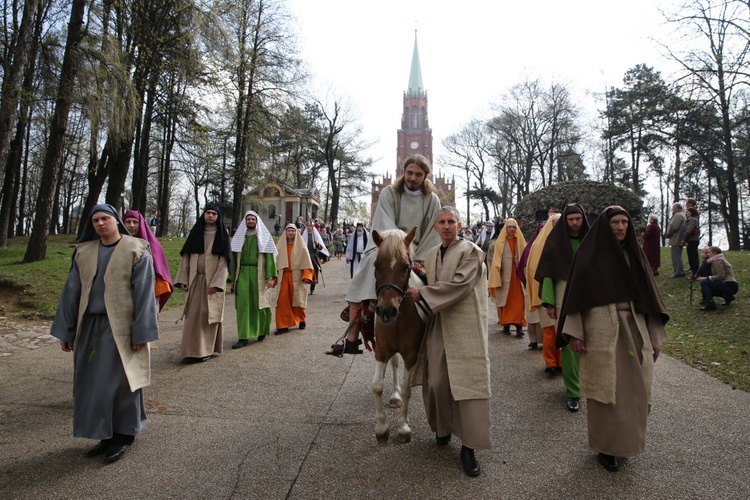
674,233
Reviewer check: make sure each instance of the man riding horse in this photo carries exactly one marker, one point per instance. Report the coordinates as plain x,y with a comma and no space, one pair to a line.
410,201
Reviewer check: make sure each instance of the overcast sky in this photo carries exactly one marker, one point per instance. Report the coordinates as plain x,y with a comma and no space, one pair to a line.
471,52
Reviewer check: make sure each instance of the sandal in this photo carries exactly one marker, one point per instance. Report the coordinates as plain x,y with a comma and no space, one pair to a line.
343,346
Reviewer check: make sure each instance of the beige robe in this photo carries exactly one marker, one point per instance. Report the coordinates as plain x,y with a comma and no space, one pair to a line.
456,369
118,297
202,333
501,292
300,262
616,374
396,211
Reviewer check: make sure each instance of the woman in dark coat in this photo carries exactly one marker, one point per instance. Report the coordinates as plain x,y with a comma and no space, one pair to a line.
651,237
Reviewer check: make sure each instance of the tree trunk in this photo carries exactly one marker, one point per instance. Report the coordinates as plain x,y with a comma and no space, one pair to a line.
37,248
142,151
11,91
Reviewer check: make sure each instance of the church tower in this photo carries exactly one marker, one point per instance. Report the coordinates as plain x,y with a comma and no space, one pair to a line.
415,136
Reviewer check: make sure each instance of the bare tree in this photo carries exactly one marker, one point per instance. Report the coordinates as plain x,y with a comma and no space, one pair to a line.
470,150
718,66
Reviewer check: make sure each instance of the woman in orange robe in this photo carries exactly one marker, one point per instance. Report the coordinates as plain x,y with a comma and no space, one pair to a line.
504,284
295,267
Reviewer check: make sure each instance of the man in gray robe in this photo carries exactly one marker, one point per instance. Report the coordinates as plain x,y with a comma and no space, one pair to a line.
456,370
106,316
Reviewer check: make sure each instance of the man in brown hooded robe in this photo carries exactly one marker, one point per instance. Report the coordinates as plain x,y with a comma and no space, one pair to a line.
613,316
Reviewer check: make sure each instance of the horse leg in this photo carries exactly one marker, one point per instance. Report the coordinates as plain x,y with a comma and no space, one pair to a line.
381,426
395,401
404,431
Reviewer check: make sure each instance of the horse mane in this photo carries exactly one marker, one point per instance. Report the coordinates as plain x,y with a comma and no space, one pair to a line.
393,244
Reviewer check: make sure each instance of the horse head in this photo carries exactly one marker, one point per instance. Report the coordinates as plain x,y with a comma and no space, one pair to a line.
393,266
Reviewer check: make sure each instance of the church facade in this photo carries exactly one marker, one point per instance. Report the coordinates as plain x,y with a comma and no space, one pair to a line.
415,136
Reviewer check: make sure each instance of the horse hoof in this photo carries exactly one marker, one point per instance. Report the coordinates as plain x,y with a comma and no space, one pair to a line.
395,402
383,438
404,437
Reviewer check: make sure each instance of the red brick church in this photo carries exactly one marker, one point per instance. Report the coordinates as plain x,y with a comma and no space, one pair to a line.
415,136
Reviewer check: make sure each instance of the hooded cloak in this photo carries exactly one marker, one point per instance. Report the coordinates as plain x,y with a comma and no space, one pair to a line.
318,239
532,264
557,253
496,275
194,243
600,274
89,233
161,267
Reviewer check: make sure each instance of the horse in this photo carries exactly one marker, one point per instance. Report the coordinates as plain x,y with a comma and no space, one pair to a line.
399,329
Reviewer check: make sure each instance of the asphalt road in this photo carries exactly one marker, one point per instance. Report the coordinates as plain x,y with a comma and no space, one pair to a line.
279,419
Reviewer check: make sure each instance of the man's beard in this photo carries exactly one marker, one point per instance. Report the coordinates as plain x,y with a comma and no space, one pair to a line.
251,228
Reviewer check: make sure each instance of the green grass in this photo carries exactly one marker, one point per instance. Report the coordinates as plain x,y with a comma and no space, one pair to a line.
716,342
33,290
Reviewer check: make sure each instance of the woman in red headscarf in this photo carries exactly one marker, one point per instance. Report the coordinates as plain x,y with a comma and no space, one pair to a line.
136,225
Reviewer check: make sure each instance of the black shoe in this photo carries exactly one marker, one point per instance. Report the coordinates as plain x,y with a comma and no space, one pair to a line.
574,404
442,441
550,371
302,325
728,299
100,448
192,361
469,462
281,331
533,345
709,306
116,452
612,464
519,332
506,329
240,344
261,338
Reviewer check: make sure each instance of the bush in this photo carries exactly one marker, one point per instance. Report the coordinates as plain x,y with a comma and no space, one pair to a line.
593,197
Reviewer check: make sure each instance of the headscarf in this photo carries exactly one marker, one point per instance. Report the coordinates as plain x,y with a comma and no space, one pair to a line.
601,275
265,240
300,255
351,247
557,254
161,267
195,242
89,233
532,264
496,274
318,239
485,234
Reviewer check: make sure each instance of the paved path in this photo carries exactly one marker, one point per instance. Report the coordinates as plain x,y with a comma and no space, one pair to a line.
281,420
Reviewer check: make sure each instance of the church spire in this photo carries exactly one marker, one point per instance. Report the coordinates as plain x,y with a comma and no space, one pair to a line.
415,76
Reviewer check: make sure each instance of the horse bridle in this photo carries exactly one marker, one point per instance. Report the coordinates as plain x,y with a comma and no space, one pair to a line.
401,291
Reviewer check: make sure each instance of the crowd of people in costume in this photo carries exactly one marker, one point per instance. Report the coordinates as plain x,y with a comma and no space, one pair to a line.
583,291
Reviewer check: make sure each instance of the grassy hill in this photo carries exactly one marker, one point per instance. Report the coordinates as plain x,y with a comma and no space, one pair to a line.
716,342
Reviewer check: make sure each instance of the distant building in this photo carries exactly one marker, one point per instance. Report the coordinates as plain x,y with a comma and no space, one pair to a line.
278,201
415,136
